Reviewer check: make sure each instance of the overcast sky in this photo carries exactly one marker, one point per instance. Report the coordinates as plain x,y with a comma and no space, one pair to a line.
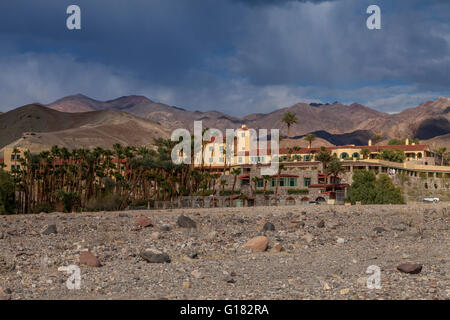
236,56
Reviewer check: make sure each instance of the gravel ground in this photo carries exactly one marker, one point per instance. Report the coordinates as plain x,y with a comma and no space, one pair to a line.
315,252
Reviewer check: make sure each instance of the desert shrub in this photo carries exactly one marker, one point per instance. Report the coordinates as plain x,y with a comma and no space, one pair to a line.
109,202
298,191
386,192
7,196
44,207
229,192
70,200
267,192
367,189
392,155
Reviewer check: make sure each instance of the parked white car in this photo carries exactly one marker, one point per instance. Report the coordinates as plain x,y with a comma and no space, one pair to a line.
430,199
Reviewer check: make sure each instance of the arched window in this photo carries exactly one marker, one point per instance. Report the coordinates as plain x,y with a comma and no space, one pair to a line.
356,155
344,155
419,155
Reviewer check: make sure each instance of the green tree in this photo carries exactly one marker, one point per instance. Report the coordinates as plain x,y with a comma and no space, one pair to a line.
7,195
386,192
310,137
365,152
289,119
362,188
392,155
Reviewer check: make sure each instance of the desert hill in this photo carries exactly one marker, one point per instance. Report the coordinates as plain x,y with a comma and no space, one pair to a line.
37,127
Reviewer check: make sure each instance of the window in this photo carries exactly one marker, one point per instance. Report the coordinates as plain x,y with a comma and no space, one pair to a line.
356,155
211,148
273,182
221,148
18,167
210,160
12,156
18,157
282,182
240,159
243,134
260,183
12,167
221,159
292,182
243,148
306,182
344,155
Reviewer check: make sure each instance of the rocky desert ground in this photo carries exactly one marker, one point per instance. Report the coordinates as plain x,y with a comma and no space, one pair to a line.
295,252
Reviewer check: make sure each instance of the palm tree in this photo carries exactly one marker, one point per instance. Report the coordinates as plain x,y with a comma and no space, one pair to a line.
335,168
324,157
235,172
255,181
223,183
441,152
280,167
365,153
266,179
310,137
289,119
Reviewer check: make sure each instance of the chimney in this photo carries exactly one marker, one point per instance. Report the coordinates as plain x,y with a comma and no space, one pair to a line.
370,142
407,142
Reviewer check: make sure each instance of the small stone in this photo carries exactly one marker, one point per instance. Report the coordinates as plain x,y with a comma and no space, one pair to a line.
164,227
196,274
229,279
277,248
192,255
340,240
155,235
143,222
50,229
379,229
212,235
410,268
268,226
89,259
258,243
186,222
307,237
344,291
186,284
154,257
321,224
400,227
325,286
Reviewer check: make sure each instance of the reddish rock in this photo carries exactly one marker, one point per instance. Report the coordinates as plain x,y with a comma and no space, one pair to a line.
89,259
410,268
144,222
258,244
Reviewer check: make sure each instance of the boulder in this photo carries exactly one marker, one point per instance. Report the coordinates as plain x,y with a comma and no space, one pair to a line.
154,257
258,243
186,222
143,222
50,229
89,259
268,226
410,268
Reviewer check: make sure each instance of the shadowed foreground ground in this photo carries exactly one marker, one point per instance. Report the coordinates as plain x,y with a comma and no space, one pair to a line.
319,260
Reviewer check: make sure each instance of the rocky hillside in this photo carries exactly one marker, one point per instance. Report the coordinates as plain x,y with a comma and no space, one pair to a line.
336,122
308,252
37,127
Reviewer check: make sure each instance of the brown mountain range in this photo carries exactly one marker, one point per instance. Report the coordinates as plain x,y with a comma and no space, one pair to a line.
427,121
38,128
78,121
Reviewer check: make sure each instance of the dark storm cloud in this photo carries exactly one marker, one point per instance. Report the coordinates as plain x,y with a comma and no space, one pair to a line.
235,55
